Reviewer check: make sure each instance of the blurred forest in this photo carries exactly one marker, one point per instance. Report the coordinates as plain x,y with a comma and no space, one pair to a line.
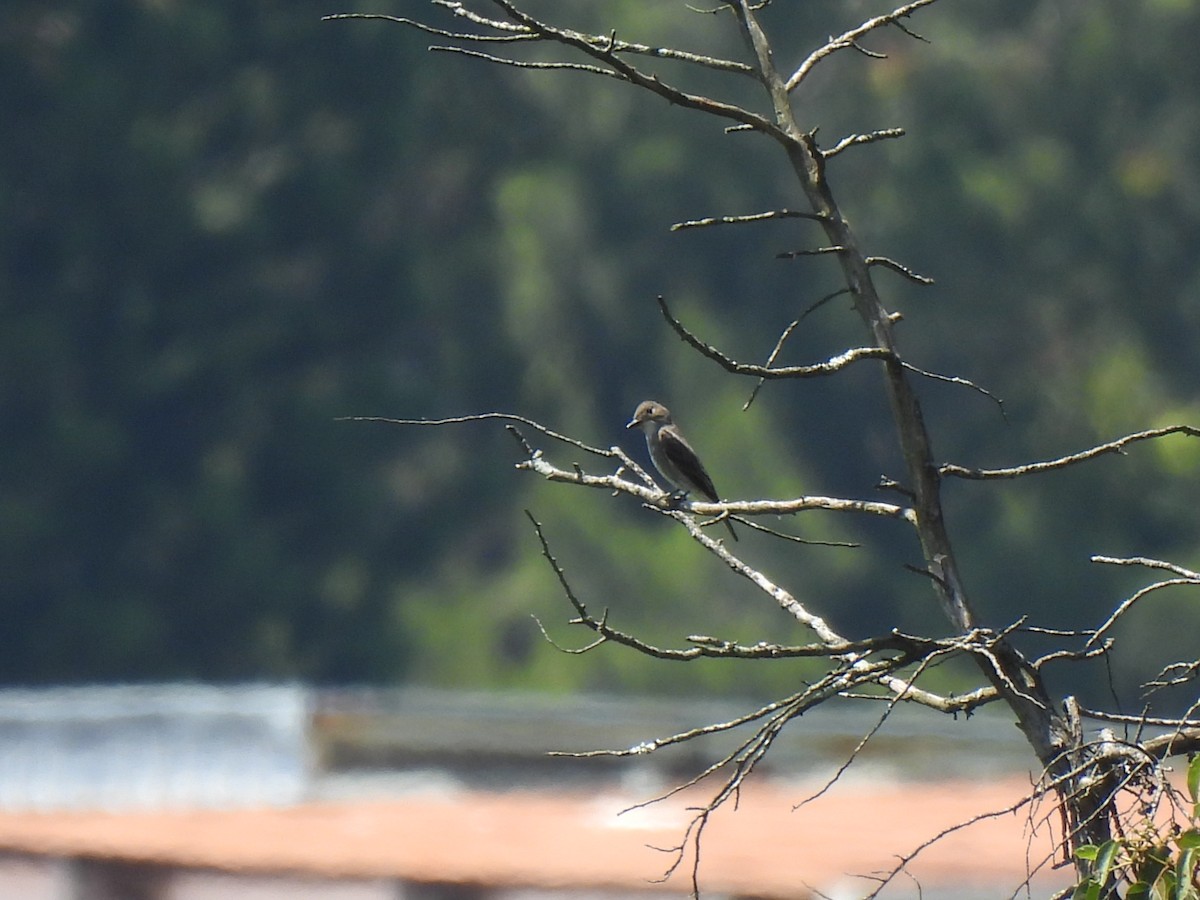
224,225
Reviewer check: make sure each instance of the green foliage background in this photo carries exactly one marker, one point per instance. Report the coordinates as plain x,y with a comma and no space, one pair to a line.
223,225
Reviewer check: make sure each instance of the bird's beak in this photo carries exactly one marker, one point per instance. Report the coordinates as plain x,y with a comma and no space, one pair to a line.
633,423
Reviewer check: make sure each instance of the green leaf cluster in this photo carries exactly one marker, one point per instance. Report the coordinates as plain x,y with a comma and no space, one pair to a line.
1153,862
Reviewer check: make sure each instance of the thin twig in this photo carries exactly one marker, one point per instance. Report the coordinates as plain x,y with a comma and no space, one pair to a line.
1148,563
816,251
1140,720
597,47
742,220
525,64
1172,675
957,380
1128,603
439,32
857,140
899,268
850,38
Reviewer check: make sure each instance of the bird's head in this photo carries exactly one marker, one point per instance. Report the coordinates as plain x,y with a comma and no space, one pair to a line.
649,414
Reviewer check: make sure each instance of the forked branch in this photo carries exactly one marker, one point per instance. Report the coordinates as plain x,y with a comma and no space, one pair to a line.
607,51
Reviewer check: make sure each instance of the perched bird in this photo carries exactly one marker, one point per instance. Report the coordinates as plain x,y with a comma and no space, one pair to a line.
672,455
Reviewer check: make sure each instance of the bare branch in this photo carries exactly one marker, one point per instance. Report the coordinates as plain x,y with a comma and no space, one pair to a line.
957,380
908,273
460,9
1140,720
708,647
574,651
912,34
974,642
650,494
870,54
605,49
744,758
831,365
1073,655
439,32
796,539
1148,563
850,39
741,220
784,598
601,48
1177,743
600,626
1128,603
610,43
857,140
647,747
616,47
1055,632
832,295
523,64
1173,675
708,62
818,251
1118,446
664,501
814,370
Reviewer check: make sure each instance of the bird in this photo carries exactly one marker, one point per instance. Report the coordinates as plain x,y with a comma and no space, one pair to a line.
672,455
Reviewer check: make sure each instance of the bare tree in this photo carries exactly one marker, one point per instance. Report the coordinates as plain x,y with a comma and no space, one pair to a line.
1085,776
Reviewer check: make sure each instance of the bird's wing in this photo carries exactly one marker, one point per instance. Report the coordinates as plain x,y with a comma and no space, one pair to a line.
679,452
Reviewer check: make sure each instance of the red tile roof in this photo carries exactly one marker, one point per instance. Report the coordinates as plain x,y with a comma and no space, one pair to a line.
764,848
